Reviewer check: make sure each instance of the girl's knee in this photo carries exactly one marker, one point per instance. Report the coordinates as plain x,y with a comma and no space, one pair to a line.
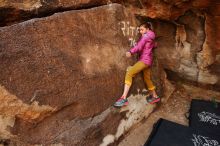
129,74
151,88
128,68
129,71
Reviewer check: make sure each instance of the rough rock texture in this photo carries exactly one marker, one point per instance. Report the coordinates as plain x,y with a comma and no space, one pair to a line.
195,23
61,73
14,10
73,63
165,9
136,111
189,49
49,59
180,44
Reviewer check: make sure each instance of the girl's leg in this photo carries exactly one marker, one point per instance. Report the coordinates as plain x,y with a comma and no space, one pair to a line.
150,85
126,90
153,93
131,72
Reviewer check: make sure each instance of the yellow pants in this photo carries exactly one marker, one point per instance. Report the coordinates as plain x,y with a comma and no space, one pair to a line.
135,69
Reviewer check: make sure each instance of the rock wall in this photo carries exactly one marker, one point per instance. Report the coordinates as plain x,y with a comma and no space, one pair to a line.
68,69
12,11
61,72
187,36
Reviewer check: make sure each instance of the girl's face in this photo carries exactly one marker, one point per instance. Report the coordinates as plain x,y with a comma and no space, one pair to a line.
143,30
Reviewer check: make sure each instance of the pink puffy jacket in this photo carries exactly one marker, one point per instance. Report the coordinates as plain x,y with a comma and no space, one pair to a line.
145,47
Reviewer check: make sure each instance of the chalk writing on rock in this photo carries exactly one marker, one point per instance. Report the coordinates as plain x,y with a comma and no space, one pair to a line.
129,31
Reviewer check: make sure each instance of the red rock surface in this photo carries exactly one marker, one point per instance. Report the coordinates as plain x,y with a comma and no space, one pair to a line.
16,11
74,62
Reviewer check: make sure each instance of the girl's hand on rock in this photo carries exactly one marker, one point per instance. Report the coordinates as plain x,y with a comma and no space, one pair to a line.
128,54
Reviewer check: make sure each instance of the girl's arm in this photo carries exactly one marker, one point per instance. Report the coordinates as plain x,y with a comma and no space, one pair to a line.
140,45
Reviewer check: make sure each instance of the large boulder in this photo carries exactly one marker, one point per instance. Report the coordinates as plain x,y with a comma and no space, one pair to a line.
49,59
13,11
68,69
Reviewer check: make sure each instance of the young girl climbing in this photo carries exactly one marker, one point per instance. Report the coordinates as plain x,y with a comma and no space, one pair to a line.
144,49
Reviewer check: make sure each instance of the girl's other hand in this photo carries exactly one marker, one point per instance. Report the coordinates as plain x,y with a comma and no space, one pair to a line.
128,54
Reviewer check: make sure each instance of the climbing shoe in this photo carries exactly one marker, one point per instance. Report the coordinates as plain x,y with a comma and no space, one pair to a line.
150,99
121,102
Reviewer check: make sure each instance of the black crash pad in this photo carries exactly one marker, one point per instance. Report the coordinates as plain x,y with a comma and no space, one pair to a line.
205,115
167,133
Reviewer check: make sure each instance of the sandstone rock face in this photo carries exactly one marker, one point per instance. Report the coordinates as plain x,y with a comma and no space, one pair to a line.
49,59
61,73
179,45
165,9
194,53
14,11
72,65
188,47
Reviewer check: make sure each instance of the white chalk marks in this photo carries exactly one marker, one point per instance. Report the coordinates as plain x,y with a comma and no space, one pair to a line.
129,31
207,117
135,112
199,140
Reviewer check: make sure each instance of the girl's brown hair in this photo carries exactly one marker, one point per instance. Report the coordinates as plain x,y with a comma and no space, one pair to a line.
147,25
